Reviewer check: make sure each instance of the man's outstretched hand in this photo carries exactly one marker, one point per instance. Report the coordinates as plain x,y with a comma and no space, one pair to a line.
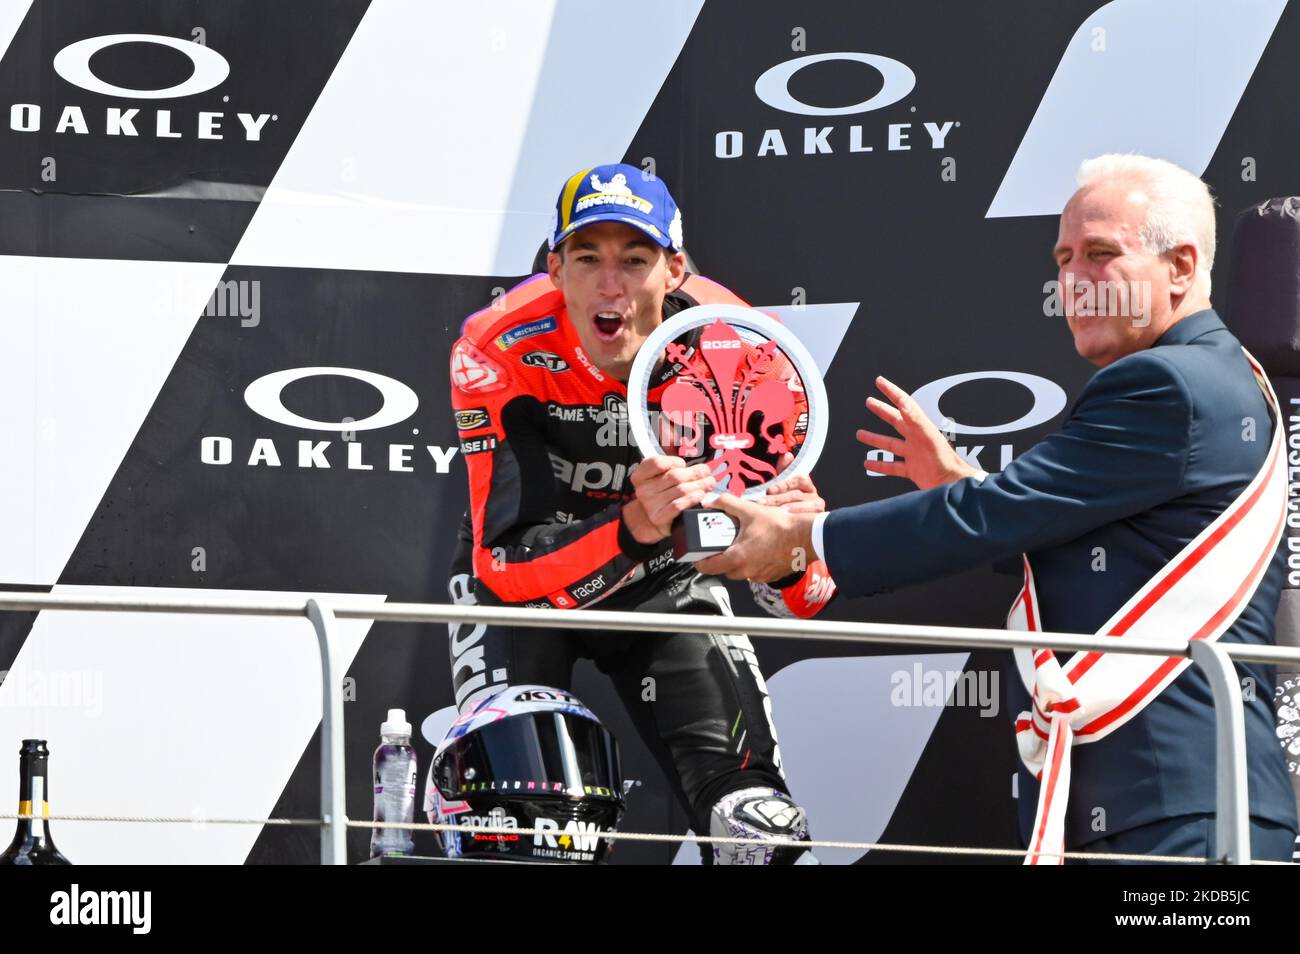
772,542
927,459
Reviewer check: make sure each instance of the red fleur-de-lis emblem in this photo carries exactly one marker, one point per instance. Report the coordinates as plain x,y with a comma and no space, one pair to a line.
728,384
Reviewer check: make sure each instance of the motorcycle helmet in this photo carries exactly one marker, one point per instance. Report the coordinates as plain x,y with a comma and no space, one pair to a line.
527,757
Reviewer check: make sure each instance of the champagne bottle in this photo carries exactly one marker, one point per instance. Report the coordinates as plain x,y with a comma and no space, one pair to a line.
32,844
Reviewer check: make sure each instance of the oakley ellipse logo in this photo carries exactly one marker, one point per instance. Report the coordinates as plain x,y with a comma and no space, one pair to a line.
1049,400
310,454
73,64
773,87
264,397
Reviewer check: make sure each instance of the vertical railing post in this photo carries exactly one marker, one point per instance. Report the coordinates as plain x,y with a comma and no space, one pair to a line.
333,793
1232,821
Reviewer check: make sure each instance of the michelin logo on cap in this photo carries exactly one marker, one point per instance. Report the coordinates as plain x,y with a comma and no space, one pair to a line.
617,193
614,192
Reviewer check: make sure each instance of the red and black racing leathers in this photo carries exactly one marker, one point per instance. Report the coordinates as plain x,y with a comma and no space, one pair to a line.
544,436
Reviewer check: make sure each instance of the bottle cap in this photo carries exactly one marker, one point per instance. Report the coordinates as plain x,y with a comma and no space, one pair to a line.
396,723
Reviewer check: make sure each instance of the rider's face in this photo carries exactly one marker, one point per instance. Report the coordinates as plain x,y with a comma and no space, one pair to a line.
614,279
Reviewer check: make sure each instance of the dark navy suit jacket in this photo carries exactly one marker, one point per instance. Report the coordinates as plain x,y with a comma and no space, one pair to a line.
1156,446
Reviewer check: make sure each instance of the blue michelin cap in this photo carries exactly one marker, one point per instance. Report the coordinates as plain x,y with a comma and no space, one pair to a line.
617,193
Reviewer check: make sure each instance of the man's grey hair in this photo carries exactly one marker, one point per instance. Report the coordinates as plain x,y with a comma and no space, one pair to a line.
1181,210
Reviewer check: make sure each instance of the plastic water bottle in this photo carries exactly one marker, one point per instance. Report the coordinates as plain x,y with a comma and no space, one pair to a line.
395,773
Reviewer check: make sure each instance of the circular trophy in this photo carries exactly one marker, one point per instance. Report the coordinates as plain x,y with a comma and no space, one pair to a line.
734,388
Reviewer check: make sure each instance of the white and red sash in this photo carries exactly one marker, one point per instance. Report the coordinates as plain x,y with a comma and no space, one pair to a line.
1198,594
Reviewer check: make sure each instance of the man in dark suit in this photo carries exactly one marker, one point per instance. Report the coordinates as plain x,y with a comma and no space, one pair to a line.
1164,437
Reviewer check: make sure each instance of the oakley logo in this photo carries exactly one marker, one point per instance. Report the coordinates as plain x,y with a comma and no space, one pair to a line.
264,397
1049,401
73,64
773,87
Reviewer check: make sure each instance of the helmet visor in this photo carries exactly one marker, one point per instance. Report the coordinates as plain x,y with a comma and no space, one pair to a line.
543,753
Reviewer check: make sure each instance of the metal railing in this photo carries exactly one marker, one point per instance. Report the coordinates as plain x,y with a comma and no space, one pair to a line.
1215,659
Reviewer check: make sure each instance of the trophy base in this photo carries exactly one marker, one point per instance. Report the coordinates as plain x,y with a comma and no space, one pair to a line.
701,532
